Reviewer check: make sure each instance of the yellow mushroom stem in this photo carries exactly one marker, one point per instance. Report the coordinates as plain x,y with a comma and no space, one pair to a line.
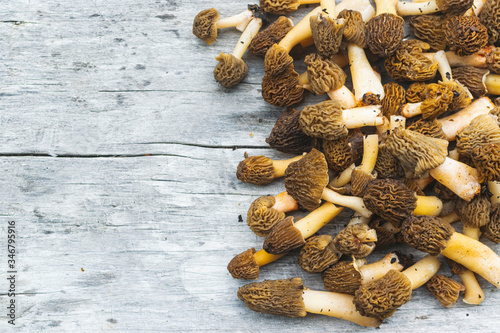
422,271
239,21
263,258
494,188
370,153
344,96
376,270
407,8
492,82
317,219
460,178
363,6
428,205
355,203
451,217
281,165
246,37
444,67
474,294
476,8
471,231
454,123
357,218
344,177
454,154
328,8
335,305
299,32
284,202
475,256
477,59
362,116
365,80
386,6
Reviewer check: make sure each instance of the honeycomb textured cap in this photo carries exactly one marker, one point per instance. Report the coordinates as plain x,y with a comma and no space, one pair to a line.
273,34
283,238
204,25
395,97
409,64
482,129
279,6
385,32
492,229
490,18
244,266
323,74
327,34
258,170
465,34
342,277
318,254
472,78
486,159
277,60
354,28
428,127
282,89
323,120
429,28
230,70
446,290
261,217
348,241
427,233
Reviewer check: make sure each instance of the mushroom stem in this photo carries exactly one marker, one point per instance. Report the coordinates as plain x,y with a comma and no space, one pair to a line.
379,268
357,218
492,83
454,123
240,21
335,305
386,6
299,32
474,294
317,219
263,258
355,203
444,67
422,271
428,205
471,231
363,6
407,8
476,8
344,177
364,79
494,188
451,217
411,109
246,37
474,255
370,153
478,59
281,165
344,96
458,177
397,122
328,8
362,116
285,202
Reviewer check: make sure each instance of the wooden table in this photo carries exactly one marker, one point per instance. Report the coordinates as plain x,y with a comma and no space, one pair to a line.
118,153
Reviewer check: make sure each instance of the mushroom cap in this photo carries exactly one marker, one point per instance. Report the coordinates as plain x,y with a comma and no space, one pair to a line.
385,238
493,60
277,60
359,181
354,27
286,135
273,34
382,297
348,241
444,193
427,233
446,290
465,34
490,18
429,28
438,99
385,32
472,78
481,130
327,34
277,297
454,7
306,179
416,152
261,217
416,92
343,277
409,64
282,89
486,159
323,120
387,165
343,152
258,170
204,25
492,229
475,213
461,95
230,70
318,254
283,238
390,199
323,74
394,98
279,6
244,266
428,127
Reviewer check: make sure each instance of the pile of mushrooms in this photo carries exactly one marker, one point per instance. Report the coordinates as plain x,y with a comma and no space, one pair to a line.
409,155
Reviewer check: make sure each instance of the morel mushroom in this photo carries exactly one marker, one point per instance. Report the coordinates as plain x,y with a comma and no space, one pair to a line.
438,98
323,74
416,92
492,229
354,27
493,60
478,81
482,129
429,234
395,97
261,170
387,165
432,128
284,6
478,59
381,298
429,28
385,31
490,17
465,34
451,7
246,265
266,211
273,34
486,159
357,240
341,153
474,214
318,254
446,290
290,298
362,174
474,294
282,89
326,30
231,69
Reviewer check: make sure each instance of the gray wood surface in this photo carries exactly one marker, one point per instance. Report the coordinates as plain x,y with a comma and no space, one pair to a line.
118,154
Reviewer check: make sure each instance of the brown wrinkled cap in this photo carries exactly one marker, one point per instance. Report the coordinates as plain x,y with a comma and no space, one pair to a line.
273,34
385,238
283,238
486,159
492,229
359,181
475,213
230,70
354,28
277,297
429,28
385,32
446,290
323,120
277,60
465,34
348,241
444,193
342,277
204,25
282,89
461,97
427,233
327,34
258,170
390,199
490,18
455,267
438,99
454,7
472,78
323,74
493,60
279,6
343,152
306,179
413,185
244,266
318,254
416,92
482,129
416,152
409,64
381,298
395,96
387,165
286,135
261,217
428,127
